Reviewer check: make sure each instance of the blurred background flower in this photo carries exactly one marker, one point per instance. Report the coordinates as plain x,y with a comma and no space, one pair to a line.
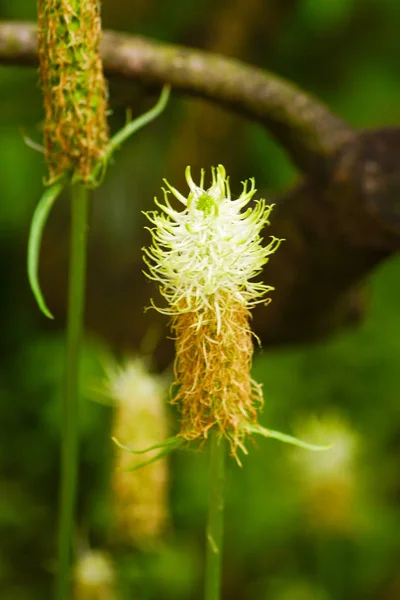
328,480
94,577
140,497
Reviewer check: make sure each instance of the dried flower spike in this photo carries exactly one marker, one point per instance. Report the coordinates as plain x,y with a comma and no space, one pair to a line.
74,89
204,259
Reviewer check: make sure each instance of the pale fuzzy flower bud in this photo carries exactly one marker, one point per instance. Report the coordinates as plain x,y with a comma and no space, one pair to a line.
329,479
204,259
140,420
93,577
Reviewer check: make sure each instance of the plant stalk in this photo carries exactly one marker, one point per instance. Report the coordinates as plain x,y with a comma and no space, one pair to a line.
69,419
215,523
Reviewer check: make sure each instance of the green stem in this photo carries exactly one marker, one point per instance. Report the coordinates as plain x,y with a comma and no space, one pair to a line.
69,419
215,523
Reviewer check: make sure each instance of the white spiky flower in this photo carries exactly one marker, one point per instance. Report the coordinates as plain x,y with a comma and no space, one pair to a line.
210,247
204,258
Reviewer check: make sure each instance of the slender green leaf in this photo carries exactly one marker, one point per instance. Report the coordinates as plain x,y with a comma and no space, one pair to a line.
35,237
287,439
172,441
157,456
133,126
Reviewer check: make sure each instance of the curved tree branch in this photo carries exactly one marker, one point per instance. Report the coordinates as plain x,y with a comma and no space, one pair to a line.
305,127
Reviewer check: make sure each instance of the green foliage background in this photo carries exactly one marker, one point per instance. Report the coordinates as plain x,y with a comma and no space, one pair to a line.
348,53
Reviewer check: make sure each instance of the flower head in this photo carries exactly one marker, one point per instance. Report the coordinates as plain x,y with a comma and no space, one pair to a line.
74,88
204,259
211,248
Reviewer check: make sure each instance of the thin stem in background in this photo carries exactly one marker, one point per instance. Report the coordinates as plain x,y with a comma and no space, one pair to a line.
215,523
69,419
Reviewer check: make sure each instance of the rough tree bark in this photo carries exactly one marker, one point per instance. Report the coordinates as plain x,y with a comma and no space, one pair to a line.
341,221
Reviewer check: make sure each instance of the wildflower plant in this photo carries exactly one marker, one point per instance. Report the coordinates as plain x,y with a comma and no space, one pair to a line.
77,149
204,259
